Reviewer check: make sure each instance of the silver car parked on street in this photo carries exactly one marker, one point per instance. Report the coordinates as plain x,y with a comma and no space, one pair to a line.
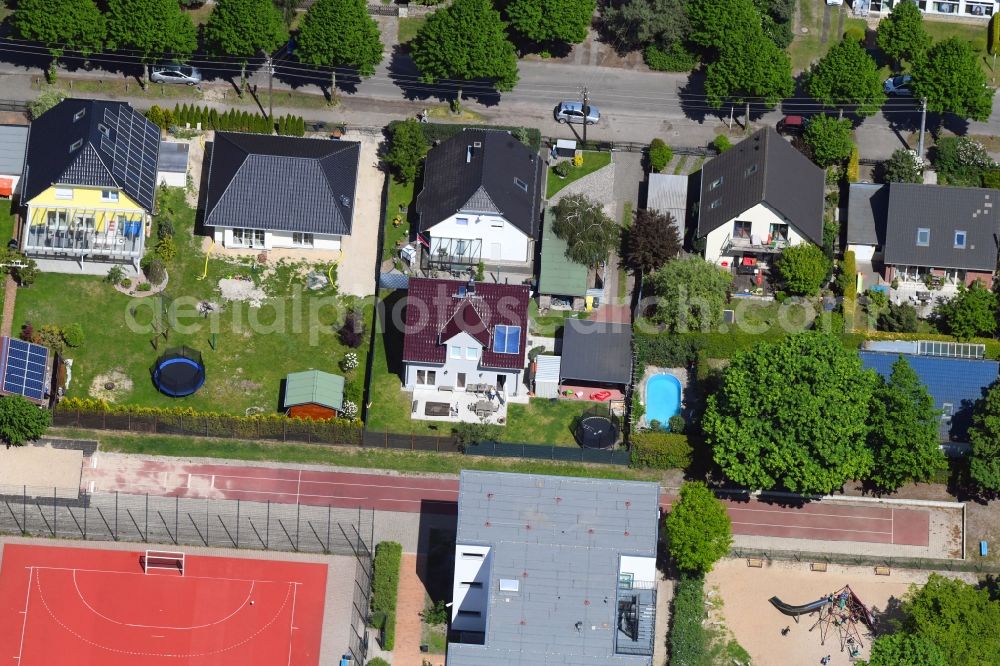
572,112
175,73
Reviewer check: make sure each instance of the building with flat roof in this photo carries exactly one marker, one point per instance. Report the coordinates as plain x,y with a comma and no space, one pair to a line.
554,570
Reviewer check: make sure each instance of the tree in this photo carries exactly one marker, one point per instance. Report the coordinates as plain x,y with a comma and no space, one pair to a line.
901,35
551,21
984,435
952,81
75,25
699,532
903,167
340,33
898,318
847,75
960,161
901,648
244,28
44,102
157,29
659,155
749,66
792,414
638,23
970,312
904,436
22,421
407,148
829,139
959,618
651,241
589,233
803,268
717,23
465,41
691,294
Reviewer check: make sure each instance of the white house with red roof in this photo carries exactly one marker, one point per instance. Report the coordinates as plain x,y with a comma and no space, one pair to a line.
465,334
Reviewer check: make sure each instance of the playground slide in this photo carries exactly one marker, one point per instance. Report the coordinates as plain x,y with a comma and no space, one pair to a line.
798,610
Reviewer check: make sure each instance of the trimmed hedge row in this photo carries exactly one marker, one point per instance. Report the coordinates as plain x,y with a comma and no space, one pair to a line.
994,35
666,351
661,450
385,590
440,132
687,639
232,120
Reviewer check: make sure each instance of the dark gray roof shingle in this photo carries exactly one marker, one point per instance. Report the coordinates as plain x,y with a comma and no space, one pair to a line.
594,351
461,176
867,207
763,168
282,183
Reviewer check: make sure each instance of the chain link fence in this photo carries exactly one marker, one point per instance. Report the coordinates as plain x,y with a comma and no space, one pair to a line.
920,563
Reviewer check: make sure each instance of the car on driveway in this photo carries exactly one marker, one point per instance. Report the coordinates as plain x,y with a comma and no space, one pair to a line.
898,85
175,73
572,112
791,125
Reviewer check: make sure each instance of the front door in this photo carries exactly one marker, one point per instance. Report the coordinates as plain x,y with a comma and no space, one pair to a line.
460,380
501,382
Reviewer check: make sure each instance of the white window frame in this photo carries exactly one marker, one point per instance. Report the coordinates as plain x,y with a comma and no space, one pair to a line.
109,195
462,221
64,193
303,239
455,351
471,353
248,238
426,377
965,239
927,232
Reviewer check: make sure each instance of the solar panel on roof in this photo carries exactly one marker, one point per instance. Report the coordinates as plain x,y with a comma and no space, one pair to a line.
24,373
507,339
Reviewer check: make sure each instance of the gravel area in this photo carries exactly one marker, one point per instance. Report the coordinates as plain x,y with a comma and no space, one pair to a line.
42,468
242,290
599,186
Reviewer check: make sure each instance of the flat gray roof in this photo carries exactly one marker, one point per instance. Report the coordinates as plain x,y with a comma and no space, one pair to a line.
597,352
561,538
13,139
867,207
173,157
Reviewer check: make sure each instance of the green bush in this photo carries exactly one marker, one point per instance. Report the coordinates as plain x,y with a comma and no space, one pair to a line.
661,450
991,178
155,116
660,155
677,424
116,274
960,161
847,281
855,33
561,168
166,249
994,35
73,335
721,143
674,58
378,661
665,351
854,165
385,589
155,271
687,640
443,131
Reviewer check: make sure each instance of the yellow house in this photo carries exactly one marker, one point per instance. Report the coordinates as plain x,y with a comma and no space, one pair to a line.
89,182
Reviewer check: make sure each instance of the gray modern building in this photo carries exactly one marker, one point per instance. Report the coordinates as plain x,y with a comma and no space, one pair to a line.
554,570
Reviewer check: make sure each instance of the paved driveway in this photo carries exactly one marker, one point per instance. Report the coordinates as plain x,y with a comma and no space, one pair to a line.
356,269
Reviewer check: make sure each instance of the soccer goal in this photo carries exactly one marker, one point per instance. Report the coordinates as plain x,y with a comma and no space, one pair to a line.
163,559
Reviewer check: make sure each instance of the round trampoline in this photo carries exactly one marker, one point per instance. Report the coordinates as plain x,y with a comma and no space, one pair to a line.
179,372
597,430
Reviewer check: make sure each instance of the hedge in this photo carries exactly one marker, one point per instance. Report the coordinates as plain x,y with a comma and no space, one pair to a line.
441,132
854,165
661,450
232,120
687,640
665,350
674,58
385,589
994,35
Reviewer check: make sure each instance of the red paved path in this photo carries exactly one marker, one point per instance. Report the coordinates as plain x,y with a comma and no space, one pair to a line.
817,520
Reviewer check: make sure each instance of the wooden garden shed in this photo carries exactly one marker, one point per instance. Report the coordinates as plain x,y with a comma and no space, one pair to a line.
313,394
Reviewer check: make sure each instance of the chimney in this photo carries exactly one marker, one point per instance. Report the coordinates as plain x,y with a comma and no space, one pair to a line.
468,154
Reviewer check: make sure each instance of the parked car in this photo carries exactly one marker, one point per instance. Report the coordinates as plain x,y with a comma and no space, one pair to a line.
175,73
791,125
835,2
898,85
572,112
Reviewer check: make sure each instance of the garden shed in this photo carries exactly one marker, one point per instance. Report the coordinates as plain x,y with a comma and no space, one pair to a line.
547,376
313,394
171,168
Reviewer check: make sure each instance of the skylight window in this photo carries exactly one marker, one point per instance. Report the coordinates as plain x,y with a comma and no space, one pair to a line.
507,339
79,114
923,237
76,145
520,183
960,237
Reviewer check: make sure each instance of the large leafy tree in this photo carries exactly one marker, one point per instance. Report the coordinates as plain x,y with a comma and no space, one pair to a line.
637,23
691,293
847,75
22,421
792,414
699,531
952,81
959,618
803,268
830,139
970,312
651,241
157,29
407,148
245,28
77,25
901,35
904,435
716,23
903,167
465,41
984,435
589,233
901,649
551,21
340,33
749,66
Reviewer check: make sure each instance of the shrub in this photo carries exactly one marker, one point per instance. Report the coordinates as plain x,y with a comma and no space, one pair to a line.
578,159
561,168
73,335
902,167
155,116
847,280
687,634
898,319
44,102
352,333
855,33
991,178
721,143
145,286
21,420
673,58
660,450
854,165
50,336
994,35
349,362
436,614
126,283
165,248
960,161
116,274
378,661
677,424
385,588
830,140
25,275
156,273
660,155
164,228
349,410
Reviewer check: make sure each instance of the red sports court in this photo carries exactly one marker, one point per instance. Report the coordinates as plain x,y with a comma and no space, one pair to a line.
79,606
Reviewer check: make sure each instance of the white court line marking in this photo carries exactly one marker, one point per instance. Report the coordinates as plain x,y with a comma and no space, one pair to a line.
24,625
93,610
795,527
827,515
892,529
138,573
324,482
292,627
212,485
188,485
298,488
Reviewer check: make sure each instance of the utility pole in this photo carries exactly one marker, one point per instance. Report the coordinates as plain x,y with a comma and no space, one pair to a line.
923,125
269,63
586,114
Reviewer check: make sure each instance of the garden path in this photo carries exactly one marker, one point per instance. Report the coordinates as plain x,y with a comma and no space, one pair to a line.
412,594
9,297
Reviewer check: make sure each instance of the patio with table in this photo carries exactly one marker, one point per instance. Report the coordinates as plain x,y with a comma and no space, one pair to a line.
476,404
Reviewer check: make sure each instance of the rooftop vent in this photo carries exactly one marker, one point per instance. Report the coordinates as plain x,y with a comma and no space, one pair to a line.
510,585
477,144
468,154
344,201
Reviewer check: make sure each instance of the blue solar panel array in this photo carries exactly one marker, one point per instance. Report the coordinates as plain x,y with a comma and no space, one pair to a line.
24,371
507,339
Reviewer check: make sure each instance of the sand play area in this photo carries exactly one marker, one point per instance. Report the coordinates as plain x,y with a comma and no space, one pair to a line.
757,625
40,468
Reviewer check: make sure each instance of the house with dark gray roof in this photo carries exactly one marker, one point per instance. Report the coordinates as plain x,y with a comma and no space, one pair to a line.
757,198
481,201
267,192
89,182
554,570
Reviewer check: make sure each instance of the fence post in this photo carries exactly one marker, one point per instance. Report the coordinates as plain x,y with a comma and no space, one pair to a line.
329,516
145,535
86,507
298,514
237,523
177,508
267,528
55,529
206,520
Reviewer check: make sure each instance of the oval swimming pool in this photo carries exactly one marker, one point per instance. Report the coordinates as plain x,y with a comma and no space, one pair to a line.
663,398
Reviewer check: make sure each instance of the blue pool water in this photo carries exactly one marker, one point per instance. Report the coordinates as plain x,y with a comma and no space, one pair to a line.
663,398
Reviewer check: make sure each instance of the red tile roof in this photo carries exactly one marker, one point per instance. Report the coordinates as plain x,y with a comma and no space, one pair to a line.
435,314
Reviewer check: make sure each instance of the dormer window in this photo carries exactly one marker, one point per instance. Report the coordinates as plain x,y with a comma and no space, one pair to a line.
923,237
76,145
960,240
752,169
716,203
79,114
520,183
715,183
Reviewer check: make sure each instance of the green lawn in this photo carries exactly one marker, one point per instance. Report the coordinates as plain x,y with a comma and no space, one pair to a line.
254,347
974,33
409,26
548,325
6,221
543,421
592,161
806,47
399,202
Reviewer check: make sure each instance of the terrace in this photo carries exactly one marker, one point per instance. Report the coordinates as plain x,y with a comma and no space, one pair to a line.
49,240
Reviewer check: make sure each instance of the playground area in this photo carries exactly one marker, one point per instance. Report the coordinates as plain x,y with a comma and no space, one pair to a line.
834,604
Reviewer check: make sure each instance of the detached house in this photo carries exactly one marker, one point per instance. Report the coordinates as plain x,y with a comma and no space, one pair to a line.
464,333
269,192
758,198
481,201
89,182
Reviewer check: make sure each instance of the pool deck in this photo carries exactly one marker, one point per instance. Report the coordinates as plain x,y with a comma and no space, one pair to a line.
680,373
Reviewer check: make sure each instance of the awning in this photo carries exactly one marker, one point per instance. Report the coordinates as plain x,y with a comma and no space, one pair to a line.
6,187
